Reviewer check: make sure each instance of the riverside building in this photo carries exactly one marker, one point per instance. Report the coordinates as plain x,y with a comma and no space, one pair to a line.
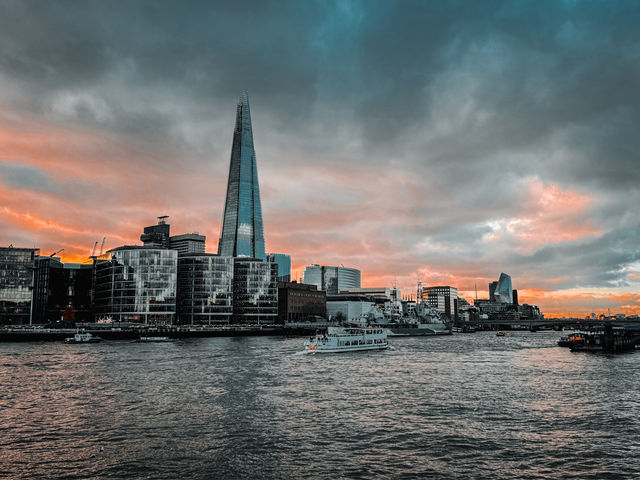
63,291
255,291
17,280
205,289
298,302
137,284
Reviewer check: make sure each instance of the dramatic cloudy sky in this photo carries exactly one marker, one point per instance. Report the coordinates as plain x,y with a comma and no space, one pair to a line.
435,141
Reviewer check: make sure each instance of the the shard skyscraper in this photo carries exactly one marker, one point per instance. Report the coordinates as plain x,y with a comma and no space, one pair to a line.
242,230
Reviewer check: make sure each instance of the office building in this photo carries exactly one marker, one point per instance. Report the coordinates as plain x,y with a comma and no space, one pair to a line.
331,279
492,291
242,230
187,243
137,284
160,236
503,291
157,235
298,302
205,289
255,291
503,304
63,292
444,299
284,265
17,280
48,283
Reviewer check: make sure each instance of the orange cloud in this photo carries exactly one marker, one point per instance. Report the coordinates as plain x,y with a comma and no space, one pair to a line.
96,185
549,214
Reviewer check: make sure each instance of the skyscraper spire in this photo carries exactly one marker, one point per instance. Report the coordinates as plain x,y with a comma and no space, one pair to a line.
242,230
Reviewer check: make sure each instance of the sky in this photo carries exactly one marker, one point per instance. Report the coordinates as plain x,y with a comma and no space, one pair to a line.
442,142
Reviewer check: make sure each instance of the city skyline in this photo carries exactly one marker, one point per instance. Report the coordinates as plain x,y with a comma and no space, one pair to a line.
503,147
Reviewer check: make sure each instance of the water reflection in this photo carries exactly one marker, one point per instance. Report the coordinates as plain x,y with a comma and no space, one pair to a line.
455,407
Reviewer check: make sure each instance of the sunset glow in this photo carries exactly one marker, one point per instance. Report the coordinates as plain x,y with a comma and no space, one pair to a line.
445,164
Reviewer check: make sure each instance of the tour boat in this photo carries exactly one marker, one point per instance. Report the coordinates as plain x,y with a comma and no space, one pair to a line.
347,339
82,338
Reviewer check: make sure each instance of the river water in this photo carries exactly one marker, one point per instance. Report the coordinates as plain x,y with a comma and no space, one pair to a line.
461,406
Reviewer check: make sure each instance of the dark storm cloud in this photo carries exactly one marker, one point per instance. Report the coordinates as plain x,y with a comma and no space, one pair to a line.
602,261
475,101
23,176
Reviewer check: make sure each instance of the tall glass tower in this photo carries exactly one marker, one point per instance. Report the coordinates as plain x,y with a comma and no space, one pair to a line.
242,230
504,291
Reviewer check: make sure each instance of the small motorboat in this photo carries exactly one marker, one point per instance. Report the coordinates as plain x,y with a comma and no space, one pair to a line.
148,339
501,334
82,338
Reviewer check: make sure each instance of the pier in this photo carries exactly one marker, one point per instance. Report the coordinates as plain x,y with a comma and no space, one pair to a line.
37,334
550,324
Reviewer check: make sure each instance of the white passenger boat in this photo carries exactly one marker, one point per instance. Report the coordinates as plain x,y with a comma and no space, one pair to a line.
82,338
347,339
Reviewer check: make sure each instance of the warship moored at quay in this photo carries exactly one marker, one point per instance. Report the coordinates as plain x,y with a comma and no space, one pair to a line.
423,321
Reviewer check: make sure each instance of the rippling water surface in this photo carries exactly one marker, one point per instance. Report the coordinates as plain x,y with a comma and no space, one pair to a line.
463,406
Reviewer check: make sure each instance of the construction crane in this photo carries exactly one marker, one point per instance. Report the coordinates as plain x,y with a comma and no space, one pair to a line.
55,253
93,252
102,246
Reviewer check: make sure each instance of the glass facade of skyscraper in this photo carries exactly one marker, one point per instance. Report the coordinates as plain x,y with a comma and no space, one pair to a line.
138,284
17,279
205,289
242,229
504,291
255,291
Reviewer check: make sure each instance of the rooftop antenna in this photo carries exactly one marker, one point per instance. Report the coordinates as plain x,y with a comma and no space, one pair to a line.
476,285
